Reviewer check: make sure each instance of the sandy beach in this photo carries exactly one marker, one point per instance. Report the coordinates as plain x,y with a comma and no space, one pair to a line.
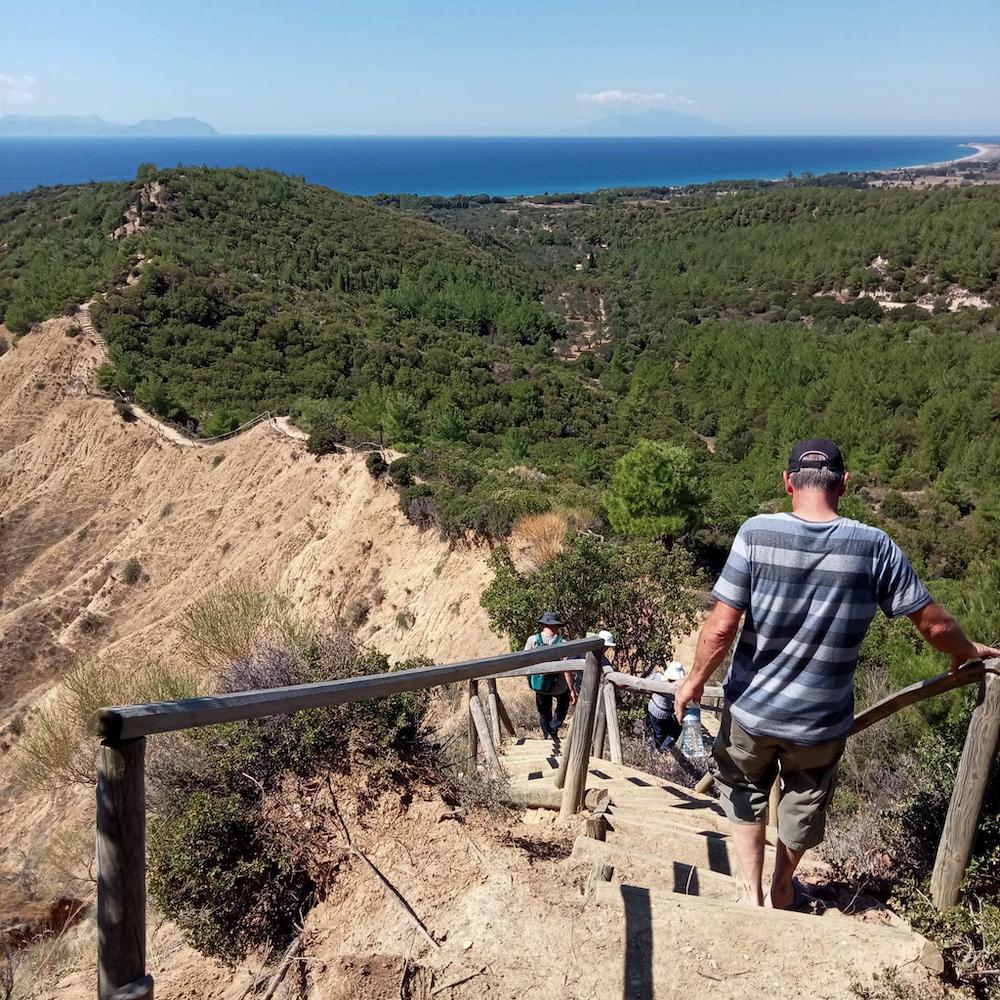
985,151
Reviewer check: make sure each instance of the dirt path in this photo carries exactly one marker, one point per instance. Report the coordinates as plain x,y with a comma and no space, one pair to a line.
170,433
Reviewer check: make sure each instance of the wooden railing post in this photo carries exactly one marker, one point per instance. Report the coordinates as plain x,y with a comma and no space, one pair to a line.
482,728
611,720
959,834
600,723
121,872
473,735
494,700
582,738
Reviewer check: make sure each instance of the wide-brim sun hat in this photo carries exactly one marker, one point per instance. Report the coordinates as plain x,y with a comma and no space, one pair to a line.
609,639
675,671
551,619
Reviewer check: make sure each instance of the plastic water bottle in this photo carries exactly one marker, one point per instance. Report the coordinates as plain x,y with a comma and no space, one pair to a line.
692,741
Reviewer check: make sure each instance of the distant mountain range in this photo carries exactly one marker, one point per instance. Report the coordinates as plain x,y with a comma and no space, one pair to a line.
81,125
661,122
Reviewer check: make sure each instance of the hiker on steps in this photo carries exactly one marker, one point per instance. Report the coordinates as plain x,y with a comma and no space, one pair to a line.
549,687
666,729
810,583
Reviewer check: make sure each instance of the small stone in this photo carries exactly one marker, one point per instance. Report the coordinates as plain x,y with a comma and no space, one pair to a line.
687,949
466,945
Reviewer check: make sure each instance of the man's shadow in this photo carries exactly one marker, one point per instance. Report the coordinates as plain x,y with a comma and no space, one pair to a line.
638,972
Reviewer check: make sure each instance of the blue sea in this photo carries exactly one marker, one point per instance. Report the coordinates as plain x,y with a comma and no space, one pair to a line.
495,166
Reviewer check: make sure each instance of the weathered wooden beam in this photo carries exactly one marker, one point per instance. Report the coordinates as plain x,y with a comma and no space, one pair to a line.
599,872
583,738
655,684
597,827
483,732
547,796
600,724
504,717
129,721
546,667
494,700
560,779
916,692
974,771
121,871
968,674
611,718
473,732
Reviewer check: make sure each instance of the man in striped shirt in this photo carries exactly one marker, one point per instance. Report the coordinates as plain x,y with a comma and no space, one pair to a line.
807,585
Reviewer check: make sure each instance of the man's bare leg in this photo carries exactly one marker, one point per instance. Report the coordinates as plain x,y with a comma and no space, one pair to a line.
749,841
782,893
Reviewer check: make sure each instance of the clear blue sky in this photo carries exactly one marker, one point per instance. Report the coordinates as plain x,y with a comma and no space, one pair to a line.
388,67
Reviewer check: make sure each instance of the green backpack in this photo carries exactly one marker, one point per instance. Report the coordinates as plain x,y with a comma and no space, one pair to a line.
543,683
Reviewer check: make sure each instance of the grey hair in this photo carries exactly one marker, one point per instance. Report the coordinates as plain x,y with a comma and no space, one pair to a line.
823,478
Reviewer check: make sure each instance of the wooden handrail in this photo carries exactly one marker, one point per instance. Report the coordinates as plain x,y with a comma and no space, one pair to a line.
124,722
121,814
653,685
920,690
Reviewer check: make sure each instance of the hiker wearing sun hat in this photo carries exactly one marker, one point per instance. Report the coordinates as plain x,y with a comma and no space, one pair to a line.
549,688
810,583
662,721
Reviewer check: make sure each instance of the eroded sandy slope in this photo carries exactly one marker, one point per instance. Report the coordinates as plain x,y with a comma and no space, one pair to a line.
82,492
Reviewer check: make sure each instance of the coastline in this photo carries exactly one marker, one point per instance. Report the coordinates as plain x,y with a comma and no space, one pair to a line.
985,152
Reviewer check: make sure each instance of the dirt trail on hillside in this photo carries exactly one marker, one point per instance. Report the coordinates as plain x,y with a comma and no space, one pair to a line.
82,493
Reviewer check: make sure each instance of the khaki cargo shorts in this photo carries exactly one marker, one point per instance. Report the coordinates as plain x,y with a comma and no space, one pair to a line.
745,766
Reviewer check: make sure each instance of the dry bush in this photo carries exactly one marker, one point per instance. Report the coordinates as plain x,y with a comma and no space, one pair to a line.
538,539
56,749
228,621
486,790
39,968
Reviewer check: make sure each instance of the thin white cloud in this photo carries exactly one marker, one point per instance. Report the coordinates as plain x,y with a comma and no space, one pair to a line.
630,99
17,89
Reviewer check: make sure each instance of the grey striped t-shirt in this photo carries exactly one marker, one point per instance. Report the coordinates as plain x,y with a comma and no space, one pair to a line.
810,590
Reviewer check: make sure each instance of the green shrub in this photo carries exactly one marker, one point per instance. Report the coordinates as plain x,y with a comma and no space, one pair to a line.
642,593
401,473
124,410
132,573
218,871
896,507
326,441
219,865
376,465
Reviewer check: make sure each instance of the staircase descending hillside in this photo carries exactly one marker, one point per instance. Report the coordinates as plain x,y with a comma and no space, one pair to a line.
674,866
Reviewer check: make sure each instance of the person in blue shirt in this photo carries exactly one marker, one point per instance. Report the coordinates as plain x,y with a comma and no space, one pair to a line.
807,585
561,690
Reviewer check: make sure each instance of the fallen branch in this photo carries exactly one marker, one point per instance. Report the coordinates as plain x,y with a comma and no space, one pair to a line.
457,982
386,885
286,961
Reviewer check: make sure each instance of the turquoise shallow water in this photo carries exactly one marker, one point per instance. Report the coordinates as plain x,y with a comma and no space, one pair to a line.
496,166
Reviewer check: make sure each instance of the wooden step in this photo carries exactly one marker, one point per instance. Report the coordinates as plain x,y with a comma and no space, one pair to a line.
707,850
636,808
657,871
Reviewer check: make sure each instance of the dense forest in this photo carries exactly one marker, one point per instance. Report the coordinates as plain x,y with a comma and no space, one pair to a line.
641,362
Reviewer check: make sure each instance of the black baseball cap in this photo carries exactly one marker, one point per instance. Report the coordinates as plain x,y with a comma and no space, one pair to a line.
816,454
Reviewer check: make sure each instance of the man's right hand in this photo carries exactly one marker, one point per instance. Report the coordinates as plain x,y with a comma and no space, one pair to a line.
979,652
687,692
